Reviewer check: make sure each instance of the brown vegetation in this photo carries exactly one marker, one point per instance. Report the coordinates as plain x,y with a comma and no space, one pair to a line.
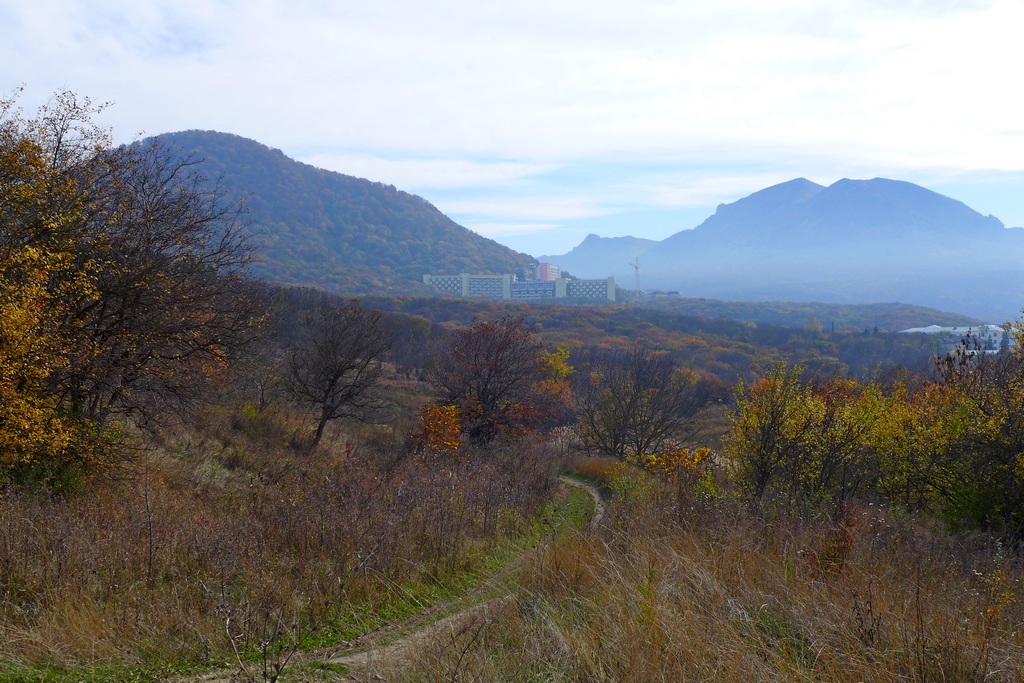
217,537
711,591
136,534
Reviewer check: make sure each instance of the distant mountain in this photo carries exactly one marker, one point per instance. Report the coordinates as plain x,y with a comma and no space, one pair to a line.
344,234
856,241
602,254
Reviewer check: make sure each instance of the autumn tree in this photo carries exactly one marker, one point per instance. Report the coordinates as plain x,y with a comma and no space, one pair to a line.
438,431
35,434
137,263
164,253
987,435
916,441
800,442
37,280
337,364
953,446
490,371
632,403
170,300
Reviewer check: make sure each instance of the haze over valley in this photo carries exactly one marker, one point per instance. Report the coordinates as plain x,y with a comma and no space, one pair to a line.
854,242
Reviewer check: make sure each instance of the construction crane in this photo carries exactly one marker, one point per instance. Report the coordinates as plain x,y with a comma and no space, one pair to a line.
636,267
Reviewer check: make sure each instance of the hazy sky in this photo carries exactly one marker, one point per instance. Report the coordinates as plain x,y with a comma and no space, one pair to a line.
536,122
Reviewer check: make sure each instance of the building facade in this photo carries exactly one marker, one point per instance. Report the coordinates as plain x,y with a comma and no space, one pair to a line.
589,289
548,272
533,290
509,287
984,338
474,286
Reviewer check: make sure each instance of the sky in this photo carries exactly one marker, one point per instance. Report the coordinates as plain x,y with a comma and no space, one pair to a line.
538,122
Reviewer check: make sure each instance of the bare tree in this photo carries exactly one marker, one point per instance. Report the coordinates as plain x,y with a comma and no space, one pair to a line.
630,403
337,364
489,371
169,301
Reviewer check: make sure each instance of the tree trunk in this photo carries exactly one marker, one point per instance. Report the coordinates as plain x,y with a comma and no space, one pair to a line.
319,433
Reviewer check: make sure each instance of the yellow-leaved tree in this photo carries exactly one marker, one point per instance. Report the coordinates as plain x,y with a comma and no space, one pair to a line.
36,436
799,443
121,285
37,279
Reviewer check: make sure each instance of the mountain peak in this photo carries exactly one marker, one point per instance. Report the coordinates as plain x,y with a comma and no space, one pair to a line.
880,206
855,241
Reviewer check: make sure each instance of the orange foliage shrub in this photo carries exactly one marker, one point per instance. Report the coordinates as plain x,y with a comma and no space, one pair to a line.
439,430
599,469
689,470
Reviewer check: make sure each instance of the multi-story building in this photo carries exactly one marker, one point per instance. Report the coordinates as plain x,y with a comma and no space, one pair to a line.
985,338
532,290
474,286
548,272
508,287
586,289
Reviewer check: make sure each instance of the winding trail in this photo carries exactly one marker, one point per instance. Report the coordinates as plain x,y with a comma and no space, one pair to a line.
599,509
380,649
372,655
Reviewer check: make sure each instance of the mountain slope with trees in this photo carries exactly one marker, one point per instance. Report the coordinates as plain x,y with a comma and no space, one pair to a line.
344,234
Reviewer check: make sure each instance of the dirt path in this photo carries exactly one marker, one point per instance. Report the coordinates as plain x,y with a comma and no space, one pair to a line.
595,520
379,652
371,656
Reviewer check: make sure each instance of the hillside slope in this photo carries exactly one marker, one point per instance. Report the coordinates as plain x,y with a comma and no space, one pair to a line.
344,234
603,255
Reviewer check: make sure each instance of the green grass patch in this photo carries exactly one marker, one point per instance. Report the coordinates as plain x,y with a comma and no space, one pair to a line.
571,512
12,673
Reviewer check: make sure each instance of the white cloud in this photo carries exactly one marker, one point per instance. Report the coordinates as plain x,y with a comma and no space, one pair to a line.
456,94
526,208
412,174
692,189
539,82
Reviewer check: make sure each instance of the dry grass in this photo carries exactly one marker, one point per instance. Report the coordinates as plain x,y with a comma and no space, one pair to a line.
222,532
722,594
600,471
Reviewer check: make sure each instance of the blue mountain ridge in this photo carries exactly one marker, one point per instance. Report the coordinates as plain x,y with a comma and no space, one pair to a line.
855,241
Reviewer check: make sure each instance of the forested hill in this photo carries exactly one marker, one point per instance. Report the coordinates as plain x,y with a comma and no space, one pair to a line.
344,234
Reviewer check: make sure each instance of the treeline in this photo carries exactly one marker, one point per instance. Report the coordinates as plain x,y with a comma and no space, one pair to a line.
950,447
890,317
726,349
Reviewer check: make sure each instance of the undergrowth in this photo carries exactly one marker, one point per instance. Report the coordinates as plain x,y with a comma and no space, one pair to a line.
228,536
715,591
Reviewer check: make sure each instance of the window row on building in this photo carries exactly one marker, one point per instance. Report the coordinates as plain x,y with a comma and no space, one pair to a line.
509,287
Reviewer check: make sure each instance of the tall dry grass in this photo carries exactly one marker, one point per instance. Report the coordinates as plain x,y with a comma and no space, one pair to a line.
709,591
221,533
